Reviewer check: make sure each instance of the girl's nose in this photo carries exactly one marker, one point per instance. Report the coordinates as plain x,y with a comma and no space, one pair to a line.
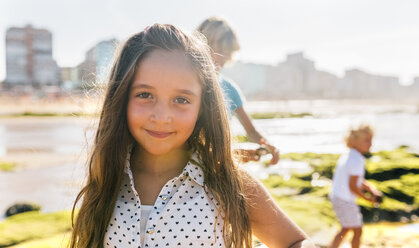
161,113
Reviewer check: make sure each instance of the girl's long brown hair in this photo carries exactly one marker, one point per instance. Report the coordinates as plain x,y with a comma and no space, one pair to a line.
210,139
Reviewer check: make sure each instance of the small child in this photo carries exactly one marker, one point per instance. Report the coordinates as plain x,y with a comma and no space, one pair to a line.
348,182
161,172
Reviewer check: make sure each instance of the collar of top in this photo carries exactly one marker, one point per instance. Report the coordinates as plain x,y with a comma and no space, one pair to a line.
191,170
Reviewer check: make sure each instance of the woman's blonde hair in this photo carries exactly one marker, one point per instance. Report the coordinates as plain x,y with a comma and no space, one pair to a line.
210,139
220,36
355,132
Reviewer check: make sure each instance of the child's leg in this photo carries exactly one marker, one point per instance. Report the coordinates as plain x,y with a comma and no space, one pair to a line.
356,240
339,237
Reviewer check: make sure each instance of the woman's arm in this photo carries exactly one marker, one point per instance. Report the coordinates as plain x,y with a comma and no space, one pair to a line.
269,223
254,135
246,155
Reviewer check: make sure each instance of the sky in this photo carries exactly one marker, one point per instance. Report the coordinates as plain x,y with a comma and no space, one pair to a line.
378,36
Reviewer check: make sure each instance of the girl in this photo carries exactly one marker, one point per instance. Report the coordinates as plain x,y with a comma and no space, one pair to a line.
348,182
161,173
224,43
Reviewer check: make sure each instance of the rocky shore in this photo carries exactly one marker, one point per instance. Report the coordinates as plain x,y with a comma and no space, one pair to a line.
303,196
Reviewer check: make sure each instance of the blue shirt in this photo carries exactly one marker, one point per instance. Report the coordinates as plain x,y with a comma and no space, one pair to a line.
233,98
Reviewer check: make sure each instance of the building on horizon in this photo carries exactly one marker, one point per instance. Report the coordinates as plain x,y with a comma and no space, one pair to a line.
291,77
298,78
69,78
96,66
250,77
413,89
29,60
360,84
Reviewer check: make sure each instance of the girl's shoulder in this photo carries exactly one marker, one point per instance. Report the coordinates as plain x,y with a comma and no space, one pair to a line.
253,189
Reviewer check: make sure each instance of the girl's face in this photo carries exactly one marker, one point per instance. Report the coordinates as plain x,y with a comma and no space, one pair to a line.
164,102
363,143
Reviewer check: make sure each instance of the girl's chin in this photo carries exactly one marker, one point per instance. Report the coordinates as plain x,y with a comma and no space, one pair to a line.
157,152
161,151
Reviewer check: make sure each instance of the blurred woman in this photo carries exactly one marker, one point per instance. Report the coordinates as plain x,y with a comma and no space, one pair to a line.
224,43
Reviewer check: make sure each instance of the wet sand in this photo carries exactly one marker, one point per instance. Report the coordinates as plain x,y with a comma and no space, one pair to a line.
10,105
49,156
54,187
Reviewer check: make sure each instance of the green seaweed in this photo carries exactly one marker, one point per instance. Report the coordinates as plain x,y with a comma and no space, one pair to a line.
392,172
33,225
7,166
307,205
241,138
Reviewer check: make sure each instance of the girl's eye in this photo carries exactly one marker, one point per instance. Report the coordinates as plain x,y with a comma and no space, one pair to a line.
182,100
143,95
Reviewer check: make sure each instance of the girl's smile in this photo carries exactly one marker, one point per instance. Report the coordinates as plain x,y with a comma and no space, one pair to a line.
159,135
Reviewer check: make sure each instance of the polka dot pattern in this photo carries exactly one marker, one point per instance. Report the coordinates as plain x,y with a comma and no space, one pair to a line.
185,214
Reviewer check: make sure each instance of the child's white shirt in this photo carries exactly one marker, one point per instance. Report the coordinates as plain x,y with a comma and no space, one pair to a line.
349,164
185,214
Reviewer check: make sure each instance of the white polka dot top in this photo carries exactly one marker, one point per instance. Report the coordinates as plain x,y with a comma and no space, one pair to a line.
185,214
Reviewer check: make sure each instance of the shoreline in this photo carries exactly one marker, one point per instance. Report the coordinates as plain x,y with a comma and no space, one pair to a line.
91,105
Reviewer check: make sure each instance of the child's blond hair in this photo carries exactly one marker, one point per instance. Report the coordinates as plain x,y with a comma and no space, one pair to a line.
219,34
355,132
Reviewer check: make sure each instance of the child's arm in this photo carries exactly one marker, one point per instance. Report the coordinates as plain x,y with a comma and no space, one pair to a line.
370,188
254,135
269,223
358,190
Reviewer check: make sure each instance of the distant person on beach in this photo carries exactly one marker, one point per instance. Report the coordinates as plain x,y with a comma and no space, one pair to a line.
348,183
224,43
161,173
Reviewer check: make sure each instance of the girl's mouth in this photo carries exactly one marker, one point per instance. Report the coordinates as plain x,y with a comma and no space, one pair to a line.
159,135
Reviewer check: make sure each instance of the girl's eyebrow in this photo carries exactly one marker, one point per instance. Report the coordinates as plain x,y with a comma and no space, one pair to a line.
146,86
186,92
142,86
